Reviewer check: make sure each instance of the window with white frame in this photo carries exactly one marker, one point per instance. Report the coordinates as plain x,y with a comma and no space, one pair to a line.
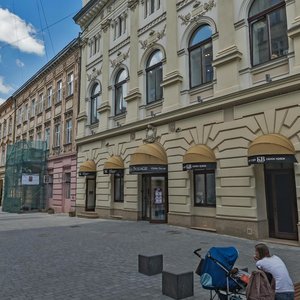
95,102
200,56
70,84
57,135
47,137
49,97
154,77
69,131
268,30
150,6
120,91
59,91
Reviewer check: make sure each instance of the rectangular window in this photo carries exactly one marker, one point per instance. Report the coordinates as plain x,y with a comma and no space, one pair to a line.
19,115
118,187
57,135
69,131
204,188
47,137
4,128
3,158
39,135
59,92
49,97
32,111
10,126
70,84
67,185
0,131
260,42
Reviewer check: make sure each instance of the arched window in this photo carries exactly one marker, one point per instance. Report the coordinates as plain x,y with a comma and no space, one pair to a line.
95,102
120,92
268,30
154,77
200,56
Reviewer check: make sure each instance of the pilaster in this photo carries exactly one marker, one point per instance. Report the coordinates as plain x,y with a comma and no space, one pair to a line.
226,62
172,78
134,96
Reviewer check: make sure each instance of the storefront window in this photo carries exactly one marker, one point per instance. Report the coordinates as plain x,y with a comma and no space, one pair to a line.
118,188
204,188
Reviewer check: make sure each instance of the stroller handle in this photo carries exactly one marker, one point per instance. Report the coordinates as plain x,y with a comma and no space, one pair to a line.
196,252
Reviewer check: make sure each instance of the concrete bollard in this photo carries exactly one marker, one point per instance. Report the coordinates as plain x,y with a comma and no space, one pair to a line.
150,265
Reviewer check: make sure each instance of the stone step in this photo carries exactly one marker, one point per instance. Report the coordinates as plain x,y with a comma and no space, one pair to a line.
88,215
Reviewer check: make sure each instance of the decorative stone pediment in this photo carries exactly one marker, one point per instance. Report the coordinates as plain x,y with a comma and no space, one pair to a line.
120,58
93,75
199,9
154,36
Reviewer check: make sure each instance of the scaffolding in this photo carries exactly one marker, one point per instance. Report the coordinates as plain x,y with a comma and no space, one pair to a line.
24,188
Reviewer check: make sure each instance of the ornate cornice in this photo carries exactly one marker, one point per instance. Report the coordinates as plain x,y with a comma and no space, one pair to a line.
132,4
153,38
199,10
105,25
119,46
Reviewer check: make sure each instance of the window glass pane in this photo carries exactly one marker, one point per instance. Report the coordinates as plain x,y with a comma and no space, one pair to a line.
278,29
95,90
259,6
119,99
151,85
195,65
201,34
121,76
159,89
199,197
211,188
155,59
260,42
207,68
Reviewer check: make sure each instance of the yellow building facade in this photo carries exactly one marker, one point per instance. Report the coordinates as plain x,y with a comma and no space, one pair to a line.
189,114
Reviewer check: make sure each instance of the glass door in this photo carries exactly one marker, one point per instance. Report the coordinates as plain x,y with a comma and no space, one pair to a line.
90,194
158,199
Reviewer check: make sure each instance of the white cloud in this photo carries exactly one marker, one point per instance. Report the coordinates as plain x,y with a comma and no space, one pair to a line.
3,87
15,32
19,63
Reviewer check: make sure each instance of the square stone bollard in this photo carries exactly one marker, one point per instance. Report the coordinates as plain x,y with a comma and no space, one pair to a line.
150,265
178,286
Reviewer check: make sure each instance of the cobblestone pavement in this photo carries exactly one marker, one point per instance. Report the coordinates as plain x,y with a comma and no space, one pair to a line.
47,257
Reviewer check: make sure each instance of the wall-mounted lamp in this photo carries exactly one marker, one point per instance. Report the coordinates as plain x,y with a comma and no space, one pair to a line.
178,129
199,99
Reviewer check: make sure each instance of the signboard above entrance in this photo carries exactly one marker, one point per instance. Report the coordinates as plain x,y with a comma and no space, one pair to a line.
148,169
113,171
263,159
87,173
199,166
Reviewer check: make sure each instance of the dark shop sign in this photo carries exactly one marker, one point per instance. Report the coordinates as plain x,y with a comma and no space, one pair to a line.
199,166
113,171
148,169
263,159
87,173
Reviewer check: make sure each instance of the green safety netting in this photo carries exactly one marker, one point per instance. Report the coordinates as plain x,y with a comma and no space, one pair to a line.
25,169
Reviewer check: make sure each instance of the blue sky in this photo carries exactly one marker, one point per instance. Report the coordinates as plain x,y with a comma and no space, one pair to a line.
31,33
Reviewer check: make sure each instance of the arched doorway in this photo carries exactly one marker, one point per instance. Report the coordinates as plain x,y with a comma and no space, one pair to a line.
277,154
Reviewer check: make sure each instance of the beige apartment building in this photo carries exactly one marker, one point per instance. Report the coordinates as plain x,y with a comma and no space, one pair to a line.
7,119
189,114
46,110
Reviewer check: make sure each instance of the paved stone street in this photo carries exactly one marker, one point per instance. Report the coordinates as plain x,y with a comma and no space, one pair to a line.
57,257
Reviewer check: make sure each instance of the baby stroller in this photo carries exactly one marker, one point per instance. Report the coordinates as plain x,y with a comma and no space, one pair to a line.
216,275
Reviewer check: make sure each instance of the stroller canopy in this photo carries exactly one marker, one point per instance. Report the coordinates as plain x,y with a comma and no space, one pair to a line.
216,266
226,256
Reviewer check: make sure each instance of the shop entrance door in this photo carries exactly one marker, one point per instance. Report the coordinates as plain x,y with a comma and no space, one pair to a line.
281,201
90,194
154,198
